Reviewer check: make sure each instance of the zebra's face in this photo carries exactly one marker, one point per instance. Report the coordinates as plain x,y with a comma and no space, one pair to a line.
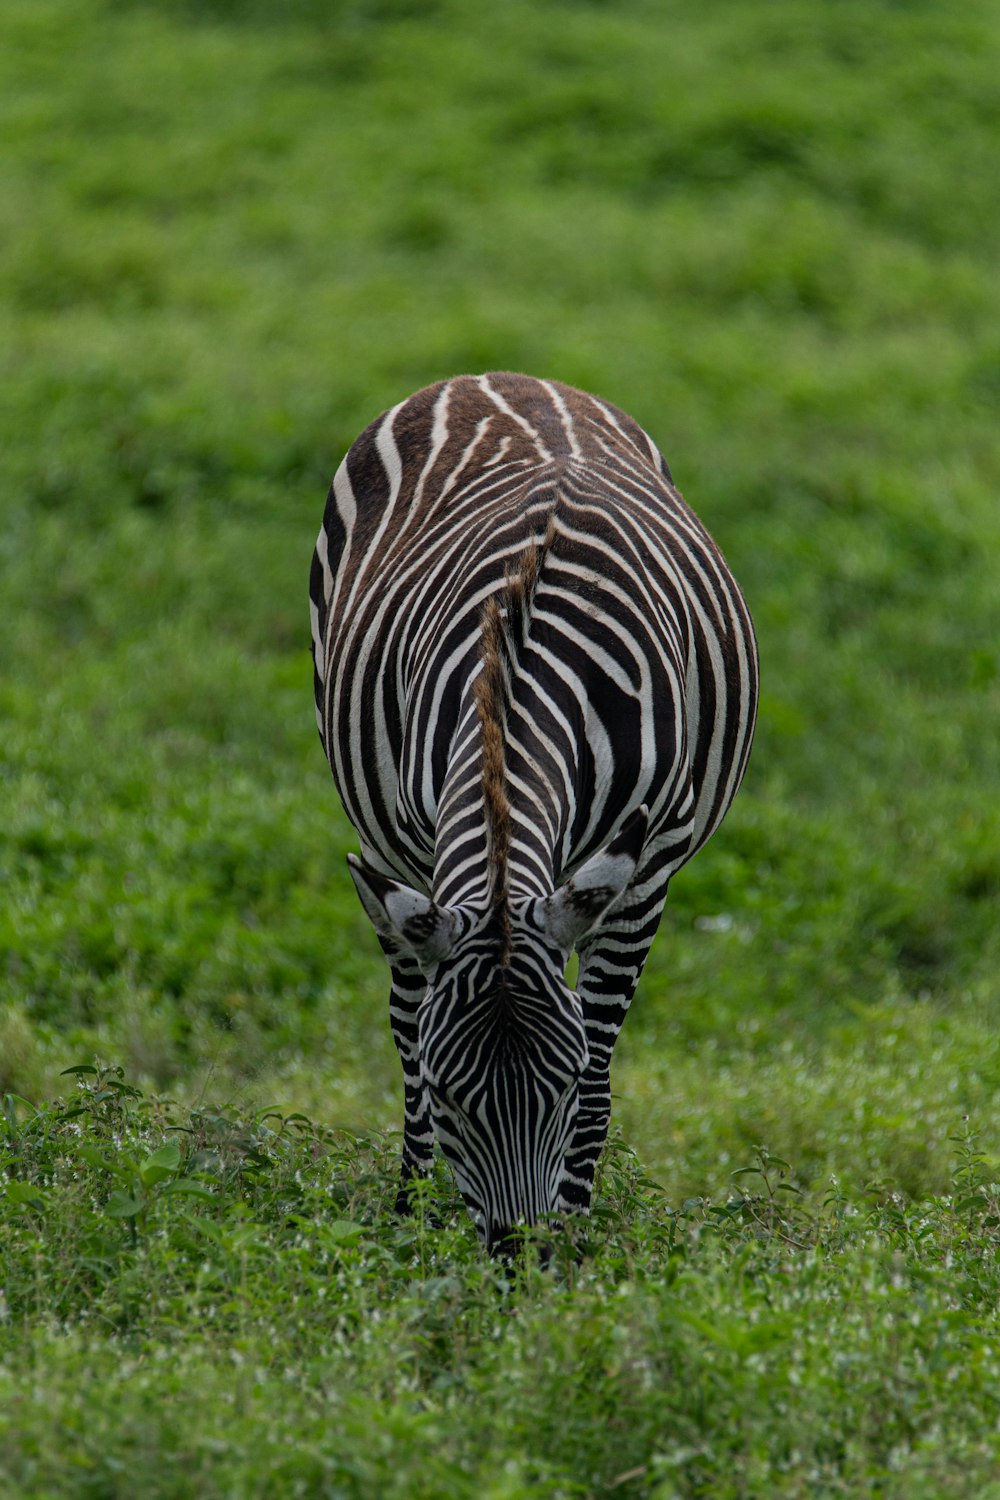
501,1036
502,1049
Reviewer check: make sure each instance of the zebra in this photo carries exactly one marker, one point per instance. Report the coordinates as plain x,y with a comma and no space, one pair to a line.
536,686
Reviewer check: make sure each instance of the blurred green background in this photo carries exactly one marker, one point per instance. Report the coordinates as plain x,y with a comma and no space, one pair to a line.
231,233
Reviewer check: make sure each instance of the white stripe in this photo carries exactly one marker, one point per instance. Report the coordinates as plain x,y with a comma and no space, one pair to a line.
515,416
567,420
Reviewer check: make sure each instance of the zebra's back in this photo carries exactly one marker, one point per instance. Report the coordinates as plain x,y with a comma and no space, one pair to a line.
431,510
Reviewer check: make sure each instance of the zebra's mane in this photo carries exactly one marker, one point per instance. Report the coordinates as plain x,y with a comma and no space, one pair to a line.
506,618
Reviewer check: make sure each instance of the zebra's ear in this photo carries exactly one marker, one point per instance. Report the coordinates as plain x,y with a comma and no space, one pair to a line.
403,916
570,912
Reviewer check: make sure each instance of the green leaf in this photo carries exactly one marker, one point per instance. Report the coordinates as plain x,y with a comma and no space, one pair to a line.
79,1070
118,1086
71,1114
123,1205
160,1164
25,1192
343,1231
190,1186
10,1102
92,1157
124,1168
703,1326
209,1230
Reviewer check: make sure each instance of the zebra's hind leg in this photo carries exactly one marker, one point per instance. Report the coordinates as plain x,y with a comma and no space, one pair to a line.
408,988
611,961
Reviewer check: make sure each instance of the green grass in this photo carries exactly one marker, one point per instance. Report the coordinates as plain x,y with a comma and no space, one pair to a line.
230,234
220,1303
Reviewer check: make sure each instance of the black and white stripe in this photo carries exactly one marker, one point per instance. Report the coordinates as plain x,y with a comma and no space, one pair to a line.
506,562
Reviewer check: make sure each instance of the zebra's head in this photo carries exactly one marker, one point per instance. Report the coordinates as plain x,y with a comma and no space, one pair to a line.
503,1046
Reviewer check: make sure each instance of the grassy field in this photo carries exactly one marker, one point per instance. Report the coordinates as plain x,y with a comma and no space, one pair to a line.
230,234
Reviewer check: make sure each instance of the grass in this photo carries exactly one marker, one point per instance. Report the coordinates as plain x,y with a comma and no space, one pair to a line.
761,1344
230,236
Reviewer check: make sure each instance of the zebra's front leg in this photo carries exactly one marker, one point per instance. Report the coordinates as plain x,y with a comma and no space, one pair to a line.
611,961
408,989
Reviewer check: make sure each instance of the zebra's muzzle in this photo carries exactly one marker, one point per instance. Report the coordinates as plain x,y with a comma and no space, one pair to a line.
509,1245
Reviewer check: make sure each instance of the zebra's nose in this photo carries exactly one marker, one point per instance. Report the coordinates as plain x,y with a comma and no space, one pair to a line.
505,1243
508,1245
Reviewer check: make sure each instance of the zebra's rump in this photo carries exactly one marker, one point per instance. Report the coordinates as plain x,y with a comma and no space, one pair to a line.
629,674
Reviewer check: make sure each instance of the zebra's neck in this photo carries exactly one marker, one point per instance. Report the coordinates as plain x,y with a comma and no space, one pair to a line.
498,825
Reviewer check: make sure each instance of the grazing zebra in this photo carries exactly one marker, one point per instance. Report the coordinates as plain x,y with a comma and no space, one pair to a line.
536,684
